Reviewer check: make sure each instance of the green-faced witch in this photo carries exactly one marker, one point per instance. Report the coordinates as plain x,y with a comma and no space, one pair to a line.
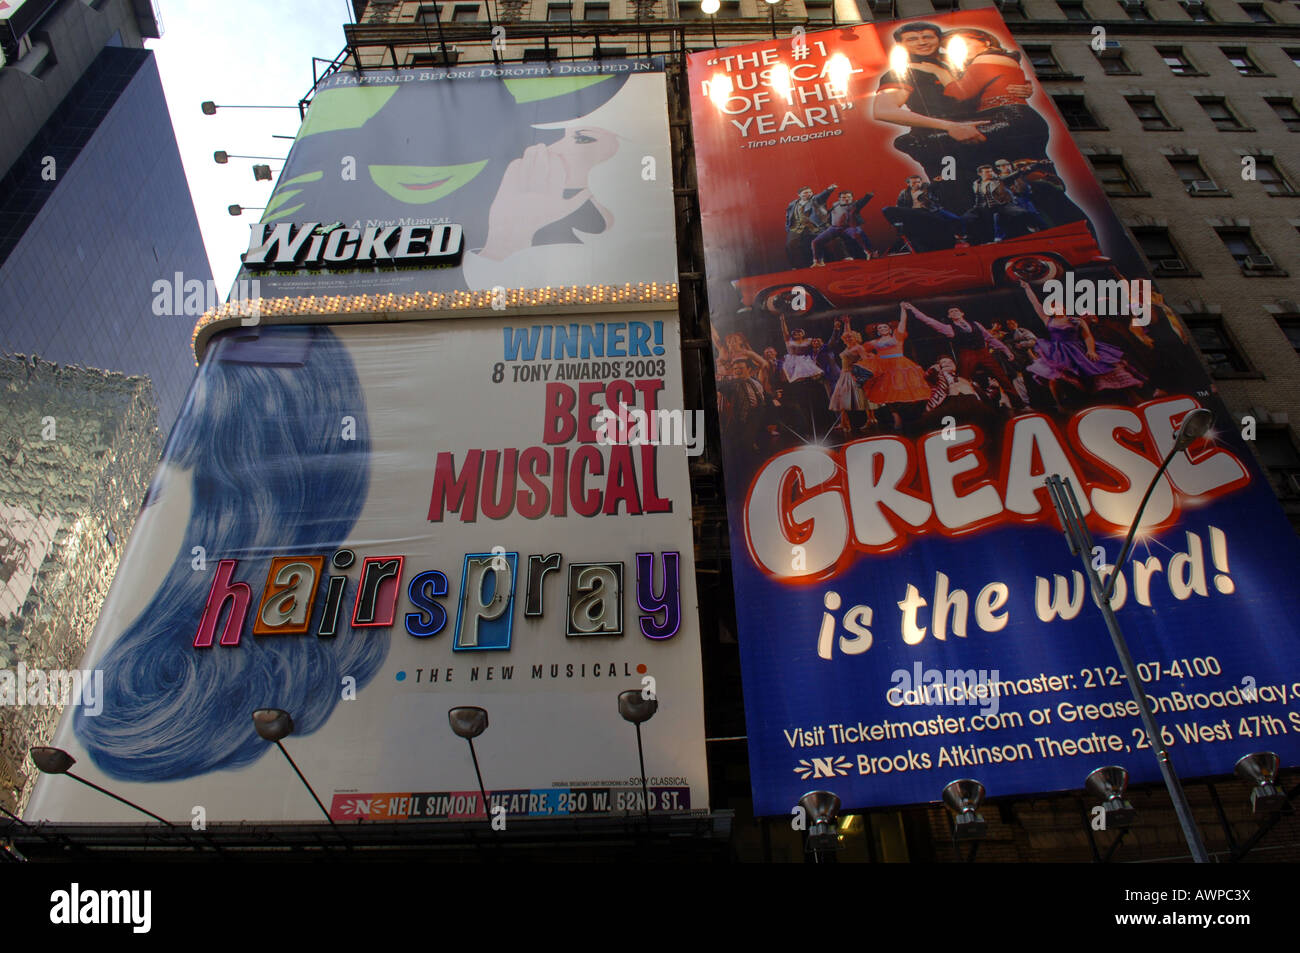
514,162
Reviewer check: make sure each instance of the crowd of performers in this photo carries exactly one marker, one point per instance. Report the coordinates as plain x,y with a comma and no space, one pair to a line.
983,149
879,378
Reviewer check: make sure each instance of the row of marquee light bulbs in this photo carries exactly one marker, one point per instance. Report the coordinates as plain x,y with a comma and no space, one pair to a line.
274,725
1108,784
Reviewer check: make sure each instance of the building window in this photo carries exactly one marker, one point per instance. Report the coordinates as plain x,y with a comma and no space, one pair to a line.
1136,10
613,52
1197,10
540,55
1114,175
1043,60
1195,179
559,11
595,11
1148,111
1271,178
1240,58
1073,9
1248,256
1290,325
1294,53
435,58
464,13
1216,107
1177,61
1257,13
944,6
1112,59
818,9
428,13
1075,112
730,10
1212,339
1161,252
1278,453
1012,10
1287,112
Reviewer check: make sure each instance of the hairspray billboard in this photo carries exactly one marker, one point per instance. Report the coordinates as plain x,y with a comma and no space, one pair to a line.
367,526
922,308
474,188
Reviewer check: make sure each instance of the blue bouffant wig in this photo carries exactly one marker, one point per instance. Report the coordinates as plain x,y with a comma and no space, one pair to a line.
275,472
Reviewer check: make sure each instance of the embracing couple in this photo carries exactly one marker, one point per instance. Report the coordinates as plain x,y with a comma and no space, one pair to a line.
973,107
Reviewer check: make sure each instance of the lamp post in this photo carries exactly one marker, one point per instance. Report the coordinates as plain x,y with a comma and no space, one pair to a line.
771,8
58,761
1194,426
711,7
238,210
469,722
636,707
274,724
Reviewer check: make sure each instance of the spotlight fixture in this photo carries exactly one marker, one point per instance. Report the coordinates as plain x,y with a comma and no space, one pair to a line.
58,761
822,809
1109,784
634,707
469,722
963,798
1260,769
274,725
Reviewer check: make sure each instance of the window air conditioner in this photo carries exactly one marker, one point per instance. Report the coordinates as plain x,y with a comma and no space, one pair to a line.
1202,185
1171,264
1259,261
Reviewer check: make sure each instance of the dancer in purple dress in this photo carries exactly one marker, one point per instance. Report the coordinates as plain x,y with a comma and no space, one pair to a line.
1070,353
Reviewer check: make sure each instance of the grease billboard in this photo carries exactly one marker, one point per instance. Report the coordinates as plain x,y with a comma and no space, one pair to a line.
922,307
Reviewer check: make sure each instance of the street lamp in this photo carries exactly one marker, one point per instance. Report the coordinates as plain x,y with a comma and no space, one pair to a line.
1194,426
237,210
58,761
711,7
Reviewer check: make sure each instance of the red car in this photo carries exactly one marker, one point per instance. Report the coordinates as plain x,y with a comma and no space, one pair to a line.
1035,258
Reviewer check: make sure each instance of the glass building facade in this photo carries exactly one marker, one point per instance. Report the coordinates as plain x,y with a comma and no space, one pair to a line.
80,253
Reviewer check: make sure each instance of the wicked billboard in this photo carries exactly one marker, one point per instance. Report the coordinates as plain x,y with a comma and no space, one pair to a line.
923,307
527,177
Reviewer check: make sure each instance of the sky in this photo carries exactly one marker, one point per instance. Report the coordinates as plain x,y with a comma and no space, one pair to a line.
238,52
